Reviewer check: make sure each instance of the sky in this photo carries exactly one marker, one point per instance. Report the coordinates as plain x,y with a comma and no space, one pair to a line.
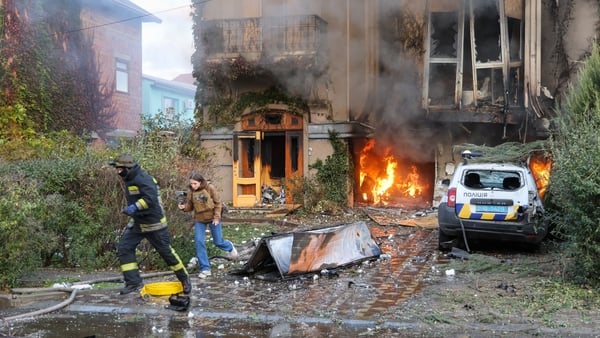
168,46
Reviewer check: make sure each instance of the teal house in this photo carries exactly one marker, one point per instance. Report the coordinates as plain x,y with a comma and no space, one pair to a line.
170,99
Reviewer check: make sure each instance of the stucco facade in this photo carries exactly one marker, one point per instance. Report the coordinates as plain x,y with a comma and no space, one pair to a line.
168,99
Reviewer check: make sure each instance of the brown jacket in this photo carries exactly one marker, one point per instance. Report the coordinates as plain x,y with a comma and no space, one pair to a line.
205,202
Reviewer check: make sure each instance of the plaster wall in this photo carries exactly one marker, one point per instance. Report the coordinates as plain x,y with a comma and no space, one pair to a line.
223,168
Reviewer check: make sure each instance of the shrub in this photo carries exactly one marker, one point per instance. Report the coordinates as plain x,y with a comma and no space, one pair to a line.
61,207
575,182
334,174
21,232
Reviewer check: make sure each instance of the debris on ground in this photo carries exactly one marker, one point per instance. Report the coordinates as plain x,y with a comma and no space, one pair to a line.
291,254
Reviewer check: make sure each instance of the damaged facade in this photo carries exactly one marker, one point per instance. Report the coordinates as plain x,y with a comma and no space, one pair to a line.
401,82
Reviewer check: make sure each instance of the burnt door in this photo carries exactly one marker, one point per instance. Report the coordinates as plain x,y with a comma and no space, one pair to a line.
293,162
268,157
281,162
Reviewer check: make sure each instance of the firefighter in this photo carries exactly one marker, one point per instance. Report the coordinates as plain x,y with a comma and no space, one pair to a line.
148,221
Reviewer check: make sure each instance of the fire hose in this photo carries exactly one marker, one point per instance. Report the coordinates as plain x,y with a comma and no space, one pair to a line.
464,235
49,309
72,290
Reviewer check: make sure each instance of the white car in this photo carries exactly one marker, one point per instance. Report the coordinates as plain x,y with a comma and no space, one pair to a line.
491,201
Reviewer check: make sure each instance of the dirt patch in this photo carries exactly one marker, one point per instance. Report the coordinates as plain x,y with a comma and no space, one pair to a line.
500,292
495,290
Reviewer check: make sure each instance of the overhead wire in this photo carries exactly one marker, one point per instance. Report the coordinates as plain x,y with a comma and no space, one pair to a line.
131,18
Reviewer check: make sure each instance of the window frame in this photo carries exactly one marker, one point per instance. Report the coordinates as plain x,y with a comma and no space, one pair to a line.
121,75
509,66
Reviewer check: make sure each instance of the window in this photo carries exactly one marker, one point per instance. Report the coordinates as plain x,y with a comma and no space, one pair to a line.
170,107
494,179
122,76
475,53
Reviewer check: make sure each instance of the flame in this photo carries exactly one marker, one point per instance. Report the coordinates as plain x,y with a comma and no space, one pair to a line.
382,176
384,183
412,185
540,168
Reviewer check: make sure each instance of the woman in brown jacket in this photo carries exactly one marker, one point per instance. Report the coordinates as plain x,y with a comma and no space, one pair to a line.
205,202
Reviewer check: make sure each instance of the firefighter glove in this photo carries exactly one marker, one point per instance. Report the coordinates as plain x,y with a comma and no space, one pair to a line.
129,210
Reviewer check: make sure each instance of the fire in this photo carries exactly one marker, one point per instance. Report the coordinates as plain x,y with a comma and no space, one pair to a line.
540,168
386,181
413,188
383,177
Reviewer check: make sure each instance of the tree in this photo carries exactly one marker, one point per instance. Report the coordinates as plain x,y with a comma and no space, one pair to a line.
48,71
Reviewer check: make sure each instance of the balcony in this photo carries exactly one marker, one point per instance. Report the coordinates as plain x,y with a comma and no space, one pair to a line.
271,37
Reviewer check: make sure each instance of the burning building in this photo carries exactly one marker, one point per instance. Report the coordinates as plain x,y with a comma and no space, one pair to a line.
400,81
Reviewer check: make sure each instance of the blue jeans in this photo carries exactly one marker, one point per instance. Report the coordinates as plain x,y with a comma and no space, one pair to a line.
200,239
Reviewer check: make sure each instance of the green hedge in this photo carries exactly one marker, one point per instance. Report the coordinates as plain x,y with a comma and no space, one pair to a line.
61,207
574,189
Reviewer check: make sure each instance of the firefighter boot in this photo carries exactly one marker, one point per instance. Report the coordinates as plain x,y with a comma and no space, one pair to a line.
184,278
133,282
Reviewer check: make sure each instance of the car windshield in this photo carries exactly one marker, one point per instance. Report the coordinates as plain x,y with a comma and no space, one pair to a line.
494,179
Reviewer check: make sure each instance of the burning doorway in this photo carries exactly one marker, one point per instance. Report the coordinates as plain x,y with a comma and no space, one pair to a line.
265,153
384,177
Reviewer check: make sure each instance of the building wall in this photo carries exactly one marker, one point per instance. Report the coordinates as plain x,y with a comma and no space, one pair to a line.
121,40
155,91
354,81
220,145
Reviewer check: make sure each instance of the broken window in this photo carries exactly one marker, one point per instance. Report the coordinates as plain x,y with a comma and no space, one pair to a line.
475,53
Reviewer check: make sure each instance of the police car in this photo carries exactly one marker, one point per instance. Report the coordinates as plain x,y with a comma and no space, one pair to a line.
491,201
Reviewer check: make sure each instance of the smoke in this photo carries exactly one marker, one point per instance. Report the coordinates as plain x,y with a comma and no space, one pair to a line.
382,44
395,107
167,47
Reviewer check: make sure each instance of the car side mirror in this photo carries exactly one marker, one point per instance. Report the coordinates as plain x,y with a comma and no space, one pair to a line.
446,182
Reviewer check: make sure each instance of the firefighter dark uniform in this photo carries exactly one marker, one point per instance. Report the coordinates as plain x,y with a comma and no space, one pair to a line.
147,221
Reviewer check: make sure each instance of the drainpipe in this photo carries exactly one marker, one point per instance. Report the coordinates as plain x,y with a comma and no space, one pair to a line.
348,58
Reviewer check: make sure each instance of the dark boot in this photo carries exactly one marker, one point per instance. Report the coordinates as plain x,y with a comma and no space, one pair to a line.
187,285
129,288
179,303
184,278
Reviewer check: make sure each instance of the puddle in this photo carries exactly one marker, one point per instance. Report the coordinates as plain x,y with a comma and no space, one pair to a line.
136,325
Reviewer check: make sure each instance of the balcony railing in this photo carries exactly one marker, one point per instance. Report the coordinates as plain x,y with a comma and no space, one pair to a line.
272,36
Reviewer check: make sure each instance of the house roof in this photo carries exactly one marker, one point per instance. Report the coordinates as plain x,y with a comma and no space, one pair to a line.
145,15
123,9
185,78
171,85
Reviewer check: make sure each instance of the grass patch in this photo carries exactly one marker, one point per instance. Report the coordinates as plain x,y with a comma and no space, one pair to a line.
529,286
551,296
61,280
240,234
436,318
488,264
107,285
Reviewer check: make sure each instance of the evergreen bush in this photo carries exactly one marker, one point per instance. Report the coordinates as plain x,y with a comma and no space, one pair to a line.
574,187
329,189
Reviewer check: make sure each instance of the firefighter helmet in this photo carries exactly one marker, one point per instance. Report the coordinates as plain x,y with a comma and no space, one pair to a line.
123,161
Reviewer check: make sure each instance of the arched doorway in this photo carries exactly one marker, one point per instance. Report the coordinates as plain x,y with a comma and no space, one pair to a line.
267,153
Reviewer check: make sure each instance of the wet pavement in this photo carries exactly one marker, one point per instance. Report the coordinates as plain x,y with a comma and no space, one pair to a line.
350,301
